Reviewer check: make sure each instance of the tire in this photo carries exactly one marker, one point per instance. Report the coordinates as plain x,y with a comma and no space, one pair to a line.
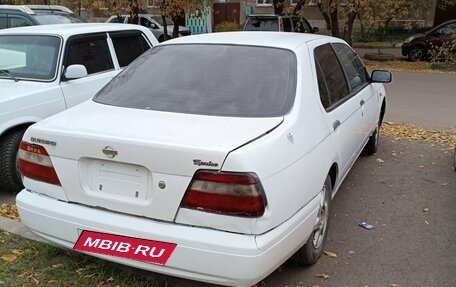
10,179
372,144
313,249
416,54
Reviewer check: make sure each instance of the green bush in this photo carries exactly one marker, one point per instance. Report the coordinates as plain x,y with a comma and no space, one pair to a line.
227,26
444,56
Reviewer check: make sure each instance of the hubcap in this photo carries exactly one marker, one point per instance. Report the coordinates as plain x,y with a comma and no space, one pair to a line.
322,220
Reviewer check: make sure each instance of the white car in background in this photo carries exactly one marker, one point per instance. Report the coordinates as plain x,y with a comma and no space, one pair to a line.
46,69
153,22
221,176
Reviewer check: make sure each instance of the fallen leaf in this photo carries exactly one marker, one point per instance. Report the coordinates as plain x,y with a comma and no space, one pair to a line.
410,132
425,209
395,285
9,211
330,254
444,184
9,257
380,160
323,276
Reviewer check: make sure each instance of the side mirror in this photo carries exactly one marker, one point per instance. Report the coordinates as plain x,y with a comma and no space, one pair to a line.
379,76
315,29
75,71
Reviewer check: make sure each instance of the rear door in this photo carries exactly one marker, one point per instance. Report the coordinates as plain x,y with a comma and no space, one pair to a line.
341,107
358,83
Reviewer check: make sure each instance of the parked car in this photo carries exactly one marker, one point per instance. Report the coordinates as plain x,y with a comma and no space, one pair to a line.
154,23
418,47
28,15
235,163
280,23
49,68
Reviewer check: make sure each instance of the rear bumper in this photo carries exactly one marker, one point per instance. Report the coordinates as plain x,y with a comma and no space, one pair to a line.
223,258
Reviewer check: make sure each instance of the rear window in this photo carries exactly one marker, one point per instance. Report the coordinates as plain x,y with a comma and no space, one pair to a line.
221,80
262,24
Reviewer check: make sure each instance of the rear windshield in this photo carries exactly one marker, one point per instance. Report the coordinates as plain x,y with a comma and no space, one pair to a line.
262,24
222,80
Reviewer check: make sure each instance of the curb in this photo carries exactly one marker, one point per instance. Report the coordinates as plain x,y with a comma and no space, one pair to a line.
18,228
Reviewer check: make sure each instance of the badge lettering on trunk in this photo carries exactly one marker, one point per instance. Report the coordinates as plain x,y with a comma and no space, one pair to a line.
199,162
109,152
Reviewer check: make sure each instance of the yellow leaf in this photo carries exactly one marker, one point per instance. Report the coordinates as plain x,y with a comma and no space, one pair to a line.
425,209
330,254
323,276
395,285
9,257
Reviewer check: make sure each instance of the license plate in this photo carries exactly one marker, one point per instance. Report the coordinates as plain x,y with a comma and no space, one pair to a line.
151,251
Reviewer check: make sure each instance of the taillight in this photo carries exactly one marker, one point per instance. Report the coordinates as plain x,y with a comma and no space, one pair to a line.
34,162
281,25
229,193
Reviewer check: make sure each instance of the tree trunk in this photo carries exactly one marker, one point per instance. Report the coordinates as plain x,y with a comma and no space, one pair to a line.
348,27
278,6
334,18
177,19
134,12
165,29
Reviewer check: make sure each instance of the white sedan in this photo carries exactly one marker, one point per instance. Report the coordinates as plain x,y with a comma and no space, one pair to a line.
218,175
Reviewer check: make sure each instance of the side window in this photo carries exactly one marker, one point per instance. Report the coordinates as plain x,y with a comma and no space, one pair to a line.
18,21
3,22
129,46
286,24
322,87
92,52
354,68
331,73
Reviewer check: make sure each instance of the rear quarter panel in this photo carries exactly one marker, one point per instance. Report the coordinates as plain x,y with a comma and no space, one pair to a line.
292,161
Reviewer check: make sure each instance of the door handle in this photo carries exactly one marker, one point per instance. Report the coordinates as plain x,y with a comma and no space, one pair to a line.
336,124
362,102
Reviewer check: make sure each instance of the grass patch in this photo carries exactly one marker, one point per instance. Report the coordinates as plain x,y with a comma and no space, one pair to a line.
26,262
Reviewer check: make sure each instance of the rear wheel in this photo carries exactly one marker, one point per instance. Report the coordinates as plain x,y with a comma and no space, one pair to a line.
416,54
313,249
10,178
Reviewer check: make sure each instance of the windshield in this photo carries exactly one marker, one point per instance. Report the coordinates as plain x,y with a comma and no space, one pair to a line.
221,80
159,19
56,18
29,57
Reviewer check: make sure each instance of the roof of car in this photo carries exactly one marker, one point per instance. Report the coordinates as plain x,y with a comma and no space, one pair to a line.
268,39
67,30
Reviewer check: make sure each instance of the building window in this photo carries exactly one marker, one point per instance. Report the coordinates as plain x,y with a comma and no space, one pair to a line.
264,3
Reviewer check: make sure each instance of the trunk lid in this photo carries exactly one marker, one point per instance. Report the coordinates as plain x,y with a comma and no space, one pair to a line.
135,161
